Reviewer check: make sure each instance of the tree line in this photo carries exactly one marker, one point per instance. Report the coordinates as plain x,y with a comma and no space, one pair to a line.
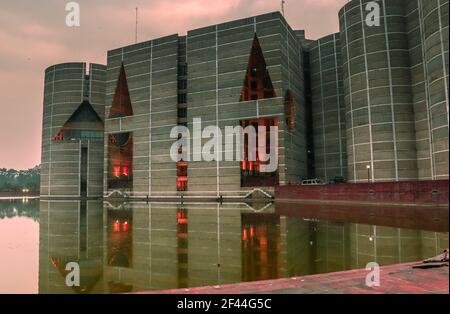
15,181
18,208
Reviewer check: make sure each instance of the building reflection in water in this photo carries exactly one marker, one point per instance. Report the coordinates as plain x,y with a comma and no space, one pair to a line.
143,247
182,246
120,238
70,231
261,247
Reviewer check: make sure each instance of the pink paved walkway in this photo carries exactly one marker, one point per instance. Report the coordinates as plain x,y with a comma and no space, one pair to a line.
400,278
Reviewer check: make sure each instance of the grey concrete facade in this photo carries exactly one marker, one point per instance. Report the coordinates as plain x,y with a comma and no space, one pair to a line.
217,58
428,44
151,70
380,114
396,90
328,108
67,86
369,103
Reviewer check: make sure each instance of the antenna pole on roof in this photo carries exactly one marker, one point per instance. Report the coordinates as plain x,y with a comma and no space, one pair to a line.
136,33
283,2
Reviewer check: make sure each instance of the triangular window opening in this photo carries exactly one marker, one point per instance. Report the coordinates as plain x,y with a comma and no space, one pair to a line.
257,82
120,145
83,124
121,105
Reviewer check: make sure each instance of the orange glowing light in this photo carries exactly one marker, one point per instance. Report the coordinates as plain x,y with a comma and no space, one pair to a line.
244,235
182,217
116,171
116,226
125,226
263,241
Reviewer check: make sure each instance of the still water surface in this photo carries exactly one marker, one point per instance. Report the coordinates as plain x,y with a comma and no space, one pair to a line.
142,247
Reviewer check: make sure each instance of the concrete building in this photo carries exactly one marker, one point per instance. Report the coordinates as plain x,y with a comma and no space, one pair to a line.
427,27
146,76
396,90
367,103
328,108
238,73
380,113
72,135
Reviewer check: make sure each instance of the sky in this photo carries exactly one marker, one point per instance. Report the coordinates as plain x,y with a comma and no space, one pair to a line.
34,35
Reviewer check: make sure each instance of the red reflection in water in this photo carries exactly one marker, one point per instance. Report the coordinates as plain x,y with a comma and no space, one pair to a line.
116,226
120,238
182,247
244,235
125,226
260,247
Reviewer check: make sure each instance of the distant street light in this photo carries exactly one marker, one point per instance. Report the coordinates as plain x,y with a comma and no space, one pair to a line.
368,173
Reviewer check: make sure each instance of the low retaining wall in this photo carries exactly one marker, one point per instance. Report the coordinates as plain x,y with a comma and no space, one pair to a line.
430,217
419,192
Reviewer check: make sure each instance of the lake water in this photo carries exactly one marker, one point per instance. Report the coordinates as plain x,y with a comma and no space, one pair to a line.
143,247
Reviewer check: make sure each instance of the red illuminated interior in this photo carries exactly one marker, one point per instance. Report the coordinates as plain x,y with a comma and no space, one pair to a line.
182,178
250,169
257,82
120,145
121,105
182,216
119,170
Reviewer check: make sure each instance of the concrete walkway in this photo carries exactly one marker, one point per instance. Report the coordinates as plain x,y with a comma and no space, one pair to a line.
394,279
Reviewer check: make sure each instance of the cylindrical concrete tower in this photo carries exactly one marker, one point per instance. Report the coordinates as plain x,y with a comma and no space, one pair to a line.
72,134
427,26
328,108
433,17
379,109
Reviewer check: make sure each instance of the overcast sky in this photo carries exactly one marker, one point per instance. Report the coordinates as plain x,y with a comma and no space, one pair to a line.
33,35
